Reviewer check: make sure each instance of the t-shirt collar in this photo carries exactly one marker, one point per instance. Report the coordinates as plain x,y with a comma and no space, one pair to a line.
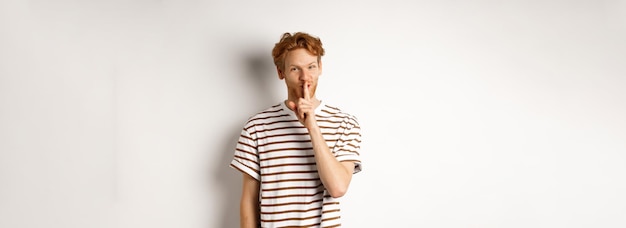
318,110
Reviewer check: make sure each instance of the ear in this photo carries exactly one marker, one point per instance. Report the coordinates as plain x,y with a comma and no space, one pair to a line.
281,74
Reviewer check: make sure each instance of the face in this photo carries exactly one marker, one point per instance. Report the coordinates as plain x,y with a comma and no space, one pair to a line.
301,67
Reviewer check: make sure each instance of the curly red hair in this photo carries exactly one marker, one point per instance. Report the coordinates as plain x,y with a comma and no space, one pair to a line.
289,42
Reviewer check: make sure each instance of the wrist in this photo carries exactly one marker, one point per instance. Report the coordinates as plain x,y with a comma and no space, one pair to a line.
314,128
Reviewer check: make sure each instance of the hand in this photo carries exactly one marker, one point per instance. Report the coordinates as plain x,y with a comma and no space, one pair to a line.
305,108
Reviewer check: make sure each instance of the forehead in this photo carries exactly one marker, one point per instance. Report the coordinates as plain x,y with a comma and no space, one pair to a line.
299,56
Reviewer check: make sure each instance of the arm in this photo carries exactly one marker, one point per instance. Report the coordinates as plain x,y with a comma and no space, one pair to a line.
335,175
249,205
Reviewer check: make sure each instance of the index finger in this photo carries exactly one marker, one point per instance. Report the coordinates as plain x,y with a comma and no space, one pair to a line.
305,88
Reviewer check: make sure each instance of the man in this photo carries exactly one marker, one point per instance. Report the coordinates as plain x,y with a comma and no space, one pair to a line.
297,157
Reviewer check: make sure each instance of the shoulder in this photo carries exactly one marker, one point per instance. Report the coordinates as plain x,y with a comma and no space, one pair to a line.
336,112
267,115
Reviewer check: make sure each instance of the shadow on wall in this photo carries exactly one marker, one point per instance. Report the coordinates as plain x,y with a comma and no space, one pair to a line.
259,73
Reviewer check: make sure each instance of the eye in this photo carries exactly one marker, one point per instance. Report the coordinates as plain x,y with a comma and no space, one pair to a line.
293,69
312,66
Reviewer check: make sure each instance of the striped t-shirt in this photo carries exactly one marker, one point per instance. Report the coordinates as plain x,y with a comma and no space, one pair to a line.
275,148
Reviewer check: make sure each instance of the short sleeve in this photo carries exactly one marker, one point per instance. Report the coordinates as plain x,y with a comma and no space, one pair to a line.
246,158
349,143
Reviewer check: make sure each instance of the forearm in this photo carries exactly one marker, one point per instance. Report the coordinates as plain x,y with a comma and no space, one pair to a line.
249,216
334,175
249,204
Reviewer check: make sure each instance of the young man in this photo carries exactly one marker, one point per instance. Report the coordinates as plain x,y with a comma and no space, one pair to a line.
298,156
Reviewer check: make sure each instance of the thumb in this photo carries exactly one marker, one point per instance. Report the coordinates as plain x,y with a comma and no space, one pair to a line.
291,105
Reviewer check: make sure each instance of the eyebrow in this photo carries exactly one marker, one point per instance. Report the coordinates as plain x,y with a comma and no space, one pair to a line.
314,62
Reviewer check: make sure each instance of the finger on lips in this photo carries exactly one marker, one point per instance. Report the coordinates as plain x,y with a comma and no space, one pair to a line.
305,96
305,88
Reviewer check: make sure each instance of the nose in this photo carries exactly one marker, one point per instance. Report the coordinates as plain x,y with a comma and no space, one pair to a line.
305,75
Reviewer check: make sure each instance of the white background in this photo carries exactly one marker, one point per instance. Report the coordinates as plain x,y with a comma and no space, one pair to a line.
124,114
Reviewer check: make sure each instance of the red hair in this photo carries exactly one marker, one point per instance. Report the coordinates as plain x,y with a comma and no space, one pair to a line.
289,42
